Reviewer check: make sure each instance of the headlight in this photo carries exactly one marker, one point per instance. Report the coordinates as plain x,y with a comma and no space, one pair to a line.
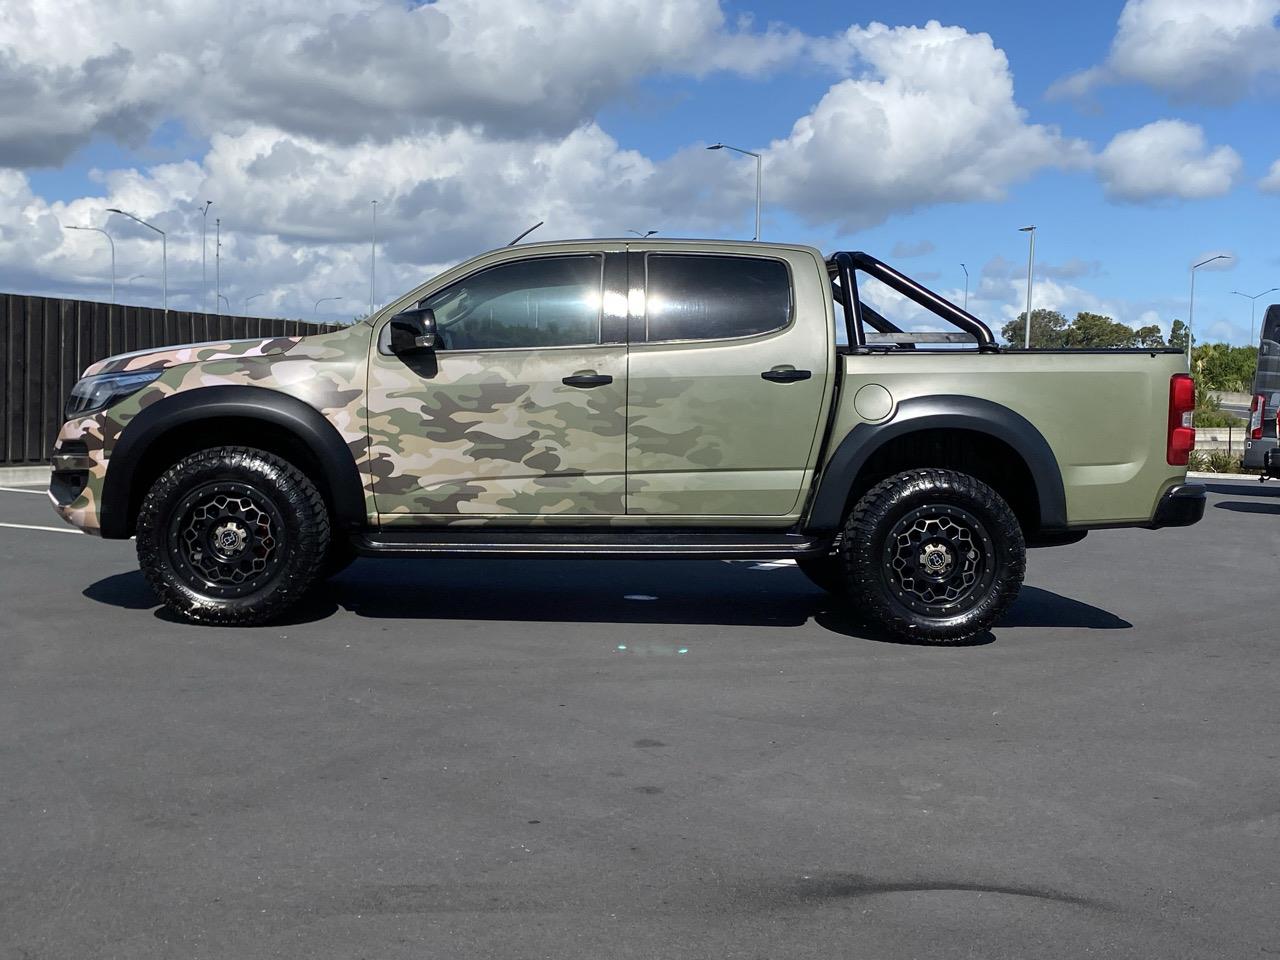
97,393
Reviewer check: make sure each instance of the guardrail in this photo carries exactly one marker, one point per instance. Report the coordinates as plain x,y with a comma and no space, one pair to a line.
46,342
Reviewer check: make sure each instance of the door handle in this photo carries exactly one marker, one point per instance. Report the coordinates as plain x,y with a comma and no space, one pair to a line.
786,375
586,380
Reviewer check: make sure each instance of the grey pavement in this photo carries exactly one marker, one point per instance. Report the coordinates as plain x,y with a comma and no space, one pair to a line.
662,760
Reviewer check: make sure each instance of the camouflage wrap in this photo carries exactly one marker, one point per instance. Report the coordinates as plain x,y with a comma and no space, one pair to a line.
327,371
497,434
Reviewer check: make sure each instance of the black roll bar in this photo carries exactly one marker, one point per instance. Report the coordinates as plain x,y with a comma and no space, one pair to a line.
846,262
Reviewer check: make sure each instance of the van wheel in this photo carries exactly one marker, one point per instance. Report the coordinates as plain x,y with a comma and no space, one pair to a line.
232,535
933,555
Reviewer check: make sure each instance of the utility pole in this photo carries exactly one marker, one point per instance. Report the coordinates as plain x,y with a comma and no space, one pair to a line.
749,153
204,252
1191,304
113,256
1031,265
217,264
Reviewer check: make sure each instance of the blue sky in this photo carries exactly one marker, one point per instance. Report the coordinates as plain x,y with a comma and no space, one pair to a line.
608,135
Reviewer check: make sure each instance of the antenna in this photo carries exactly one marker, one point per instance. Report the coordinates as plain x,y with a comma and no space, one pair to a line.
526,233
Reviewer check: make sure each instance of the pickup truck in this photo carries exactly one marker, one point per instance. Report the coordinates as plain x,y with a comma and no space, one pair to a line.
608,398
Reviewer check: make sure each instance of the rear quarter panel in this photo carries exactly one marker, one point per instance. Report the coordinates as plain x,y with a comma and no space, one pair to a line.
1104,415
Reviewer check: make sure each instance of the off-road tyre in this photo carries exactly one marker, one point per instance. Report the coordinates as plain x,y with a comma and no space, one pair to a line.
232,536
933,556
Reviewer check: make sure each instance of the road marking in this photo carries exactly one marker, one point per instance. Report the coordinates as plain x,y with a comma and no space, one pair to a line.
32,526
23,490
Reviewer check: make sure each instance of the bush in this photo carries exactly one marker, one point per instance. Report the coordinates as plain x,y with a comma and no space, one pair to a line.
1216,461
1215,418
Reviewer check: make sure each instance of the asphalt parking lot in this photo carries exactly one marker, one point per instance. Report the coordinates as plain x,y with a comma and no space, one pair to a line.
623,759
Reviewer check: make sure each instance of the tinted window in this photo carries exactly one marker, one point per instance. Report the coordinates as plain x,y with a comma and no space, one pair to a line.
710,298
548,302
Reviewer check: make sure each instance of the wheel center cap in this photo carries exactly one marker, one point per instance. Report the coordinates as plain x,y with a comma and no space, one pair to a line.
935,559
230,538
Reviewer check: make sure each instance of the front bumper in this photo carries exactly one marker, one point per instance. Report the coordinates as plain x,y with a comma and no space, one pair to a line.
1181,506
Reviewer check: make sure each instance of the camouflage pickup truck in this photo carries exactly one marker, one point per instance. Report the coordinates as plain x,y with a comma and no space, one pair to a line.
607,398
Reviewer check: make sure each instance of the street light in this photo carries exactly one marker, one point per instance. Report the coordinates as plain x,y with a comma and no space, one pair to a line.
164,251
643,236
1191,305
136,276
249,300
1253,303
113,254
1031,263
749,153
966,287
316,311
223,298
204,252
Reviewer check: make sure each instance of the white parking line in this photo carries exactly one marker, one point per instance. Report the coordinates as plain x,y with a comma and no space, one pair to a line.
24,490
32,526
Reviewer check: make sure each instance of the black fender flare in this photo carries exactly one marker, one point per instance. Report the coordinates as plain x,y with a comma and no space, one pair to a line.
940,413
190,407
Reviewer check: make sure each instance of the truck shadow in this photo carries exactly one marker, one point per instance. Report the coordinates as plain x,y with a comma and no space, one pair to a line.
677,593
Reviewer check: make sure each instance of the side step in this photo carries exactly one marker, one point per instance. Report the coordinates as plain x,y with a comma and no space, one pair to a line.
623,544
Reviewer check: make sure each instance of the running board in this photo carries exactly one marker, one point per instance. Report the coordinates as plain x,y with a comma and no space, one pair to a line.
613,544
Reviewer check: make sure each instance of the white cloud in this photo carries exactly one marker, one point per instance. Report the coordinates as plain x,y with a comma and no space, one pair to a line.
1189,49
1271,182
296,211
931,119
344,70
1164,159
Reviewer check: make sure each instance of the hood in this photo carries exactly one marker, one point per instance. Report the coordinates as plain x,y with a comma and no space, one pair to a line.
165,357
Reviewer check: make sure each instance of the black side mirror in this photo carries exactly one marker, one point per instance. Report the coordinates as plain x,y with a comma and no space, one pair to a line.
413,330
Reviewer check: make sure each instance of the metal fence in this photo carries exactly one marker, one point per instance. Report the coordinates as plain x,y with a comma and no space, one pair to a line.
45,344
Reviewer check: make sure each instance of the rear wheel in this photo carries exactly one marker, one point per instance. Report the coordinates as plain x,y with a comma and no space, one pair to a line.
232,535
933,555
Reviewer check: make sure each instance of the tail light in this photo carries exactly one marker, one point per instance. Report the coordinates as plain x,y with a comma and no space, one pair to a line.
1257,413
1182,435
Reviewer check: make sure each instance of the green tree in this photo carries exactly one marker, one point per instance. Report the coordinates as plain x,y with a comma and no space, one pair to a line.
1093,331
1222,367
1047,330
1178,335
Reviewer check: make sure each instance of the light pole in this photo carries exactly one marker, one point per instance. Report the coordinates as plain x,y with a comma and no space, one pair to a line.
223,298
1191,304
316,311
966,287
217,263
164,251
249,300
136,276
113,255
1031,265
204,251
749,153
373,254
1253,302
643,236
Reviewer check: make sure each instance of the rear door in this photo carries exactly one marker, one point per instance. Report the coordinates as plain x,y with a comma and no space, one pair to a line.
727,383
520,411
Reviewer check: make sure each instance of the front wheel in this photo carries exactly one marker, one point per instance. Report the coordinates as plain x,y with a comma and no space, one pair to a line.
933,555
232,535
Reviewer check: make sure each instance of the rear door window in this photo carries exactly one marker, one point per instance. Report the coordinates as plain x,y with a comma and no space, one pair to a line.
695,297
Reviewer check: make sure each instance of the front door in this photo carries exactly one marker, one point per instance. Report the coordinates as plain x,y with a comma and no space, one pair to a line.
726,388
519,413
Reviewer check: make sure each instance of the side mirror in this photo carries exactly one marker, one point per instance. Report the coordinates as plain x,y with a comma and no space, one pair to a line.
413,330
